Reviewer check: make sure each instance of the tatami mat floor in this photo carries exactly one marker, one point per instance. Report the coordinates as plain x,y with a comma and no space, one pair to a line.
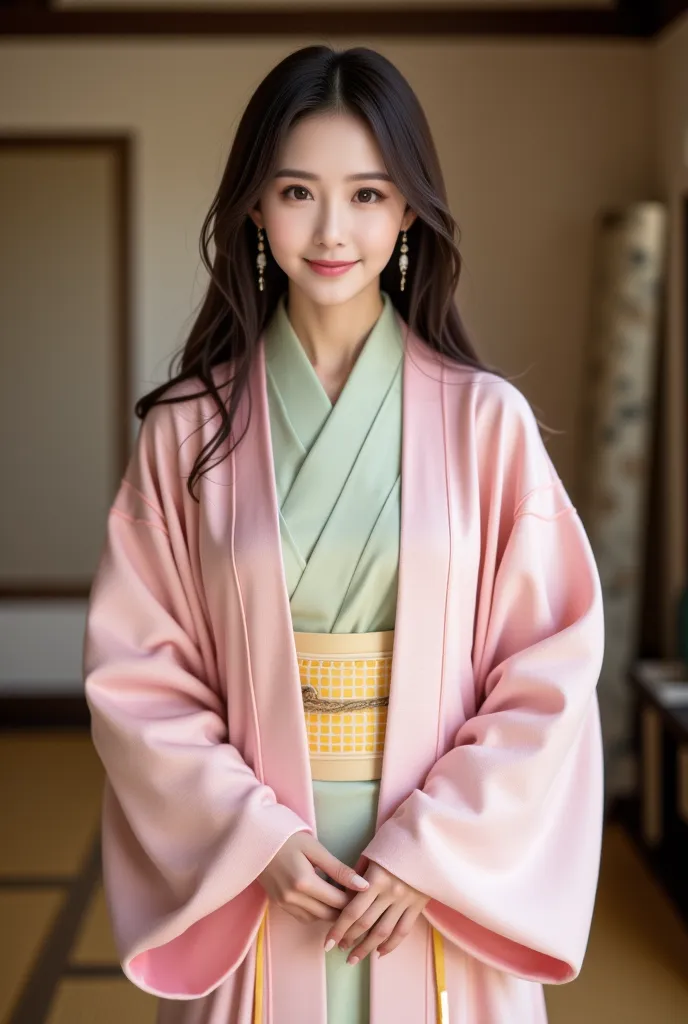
58,964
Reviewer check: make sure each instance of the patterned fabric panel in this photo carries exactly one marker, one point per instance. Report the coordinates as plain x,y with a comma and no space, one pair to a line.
619,398
344,732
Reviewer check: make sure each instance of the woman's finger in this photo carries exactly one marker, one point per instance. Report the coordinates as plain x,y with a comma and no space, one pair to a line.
380,932
367,920
401,930
321,857
349,915
325,892
314,908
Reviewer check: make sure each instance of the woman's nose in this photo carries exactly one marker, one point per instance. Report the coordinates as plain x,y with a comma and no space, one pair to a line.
331,227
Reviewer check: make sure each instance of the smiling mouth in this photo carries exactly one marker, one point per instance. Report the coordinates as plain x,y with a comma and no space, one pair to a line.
332,263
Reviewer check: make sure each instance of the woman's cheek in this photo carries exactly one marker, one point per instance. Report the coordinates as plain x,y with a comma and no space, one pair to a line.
288,238
379,238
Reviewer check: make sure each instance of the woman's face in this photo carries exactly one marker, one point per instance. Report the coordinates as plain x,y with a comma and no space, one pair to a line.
331,200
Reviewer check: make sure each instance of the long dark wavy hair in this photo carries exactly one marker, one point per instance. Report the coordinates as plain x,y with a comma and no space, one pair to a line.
234,312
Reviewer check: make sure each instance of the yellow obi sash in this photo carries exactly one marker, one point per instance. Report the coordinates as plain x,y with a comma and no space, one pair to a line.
345,689
345,681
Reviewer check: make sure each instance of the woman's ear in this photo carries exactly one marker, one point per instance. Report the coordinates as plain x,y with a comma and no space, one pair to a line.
256,216
408,220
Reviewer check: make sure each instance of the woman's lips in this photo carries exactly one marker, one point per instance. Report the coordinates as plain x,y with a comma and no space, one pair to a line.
330,269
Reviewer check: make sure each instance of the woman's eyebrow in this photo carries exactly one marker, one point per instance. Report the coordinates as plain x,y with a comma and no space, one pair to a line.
288,172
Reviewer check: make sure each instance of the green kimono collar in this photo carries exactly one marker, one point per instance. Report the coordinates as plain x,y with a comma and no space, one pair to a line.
298,383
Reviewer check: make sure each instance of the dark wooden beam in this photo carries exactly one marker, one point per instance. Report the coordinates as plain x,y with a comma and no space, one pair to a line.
23,18
668,11
44,711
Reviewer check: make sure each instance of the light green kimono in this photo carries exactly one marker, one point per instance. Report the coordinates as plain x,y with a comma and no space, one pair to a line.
337,469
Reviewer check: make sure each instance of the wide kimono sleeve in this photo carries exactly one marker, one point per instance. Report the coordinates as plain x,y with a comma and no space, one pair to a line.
505,834
186,825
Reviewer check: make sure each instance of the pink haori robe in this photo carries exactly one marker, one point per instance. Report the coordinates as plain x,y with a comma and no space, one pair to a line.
491,795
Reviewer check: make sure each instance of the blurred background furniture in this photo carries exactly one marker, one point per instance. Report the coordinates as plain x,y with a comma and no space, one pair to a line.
658,818
618,400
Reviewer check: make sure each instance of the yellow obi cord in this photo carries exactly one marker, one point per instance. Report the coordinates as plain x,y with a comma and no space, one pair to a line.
258,991
440,980
440,983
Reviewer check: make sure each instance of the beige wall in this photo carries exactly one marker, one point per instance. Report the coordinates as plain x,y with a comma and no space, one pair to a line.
534,137
670,76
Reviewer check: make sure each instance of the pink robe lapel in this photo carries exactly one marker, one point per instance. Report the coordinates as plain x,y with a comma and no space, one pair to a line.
294,958
264,615
402,985
411,738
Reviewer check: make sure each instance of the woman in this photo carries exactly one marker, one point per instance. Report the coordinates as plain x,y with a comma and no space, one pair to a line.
342,677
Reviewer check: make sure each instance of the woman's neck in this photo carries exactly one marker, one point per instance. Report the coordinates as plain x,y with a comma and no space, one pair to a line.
333,336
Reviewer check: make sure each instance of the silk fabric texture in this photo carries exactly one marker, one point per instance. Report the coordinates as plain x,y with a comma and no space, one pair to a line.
490,799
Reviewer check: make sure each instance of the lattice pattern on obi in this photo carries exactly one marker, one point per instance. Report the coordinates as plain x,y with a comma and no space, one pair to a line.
344,732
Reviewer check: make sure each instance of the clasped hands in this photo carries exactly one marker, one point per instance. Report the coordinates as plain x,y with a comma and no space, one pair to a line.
382,912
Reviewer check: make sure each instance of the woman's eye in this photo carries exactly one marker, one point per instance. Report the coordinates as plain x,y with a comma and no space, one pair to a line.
369,192
294,188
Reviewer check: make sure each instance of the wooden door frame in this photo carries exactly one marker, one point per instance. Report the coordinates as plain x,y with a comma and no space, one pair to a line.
643,19
120,147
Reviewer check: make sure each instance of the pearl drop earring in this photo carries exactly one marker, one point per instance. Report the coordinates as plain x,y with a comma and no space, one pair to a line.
261,261
403,260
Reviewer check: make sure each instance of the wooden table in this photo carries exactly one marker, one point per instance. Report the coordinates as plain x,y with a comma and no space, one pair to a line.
661,821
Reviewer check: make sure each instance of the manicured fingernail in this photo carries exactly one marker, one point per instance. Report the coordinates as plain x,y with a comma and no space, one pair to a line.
358,880
353,960
328,945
